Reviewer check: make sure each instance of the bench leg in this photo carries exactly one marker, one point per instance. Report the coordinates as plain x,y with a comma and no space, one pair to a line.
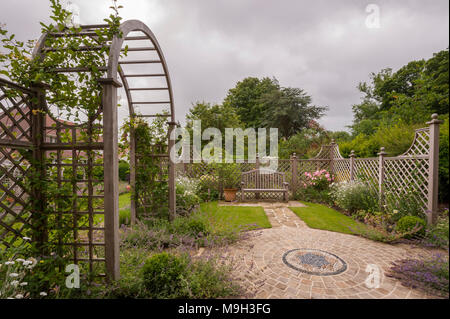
242,195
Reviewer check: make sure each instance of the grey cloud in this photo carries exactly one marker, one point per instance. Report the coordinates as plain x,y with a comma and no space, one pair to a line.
320,46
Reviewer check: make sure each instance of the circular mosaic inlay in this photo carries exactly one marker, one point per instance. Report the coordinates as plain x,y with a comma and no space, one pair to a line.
314,262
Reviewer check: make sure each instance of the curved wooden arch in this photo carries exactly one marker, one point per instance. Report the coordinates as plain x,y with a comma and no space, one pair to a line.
115,77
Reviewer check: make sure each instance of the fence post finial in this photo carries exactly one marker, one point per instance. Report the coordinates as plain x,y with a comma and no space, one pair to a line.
433,176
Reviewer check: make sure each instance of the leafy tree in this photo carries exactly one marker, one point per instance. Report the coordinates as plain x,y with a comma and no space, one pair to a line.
410,94
245,99
218,116
289,110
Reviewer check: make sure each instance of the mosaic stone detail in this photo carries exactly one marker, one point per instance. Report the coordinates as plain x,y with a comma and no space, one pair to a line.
314,262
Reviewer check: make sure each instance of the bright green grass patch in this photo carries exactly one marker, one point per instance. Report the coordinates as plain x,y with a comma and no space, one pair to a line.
322,217
124,208
245,217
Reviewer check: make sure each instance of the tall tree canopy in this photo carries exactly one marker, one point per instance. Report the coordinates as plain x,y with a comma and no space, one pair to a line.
410,95
288,109
218,116
245,98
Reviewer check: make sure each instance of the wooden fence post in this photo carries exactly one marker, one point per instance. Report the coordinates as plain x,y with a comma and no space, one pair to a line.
111,177
433,174
40,232
331,155
381,156
132,172
172,182
294,172
257,165
352,165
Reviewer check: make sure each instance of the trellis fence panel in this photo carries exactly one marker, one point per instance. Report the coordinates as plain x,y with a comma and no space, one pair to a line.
412,176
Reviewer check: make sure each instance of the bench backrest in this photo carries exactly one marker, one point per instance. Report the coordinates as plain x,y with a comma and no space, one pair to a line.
263,179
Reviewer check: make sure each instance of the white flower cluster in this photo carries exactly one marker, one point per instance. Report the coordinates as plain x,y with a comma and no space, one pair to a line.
16,269
189,185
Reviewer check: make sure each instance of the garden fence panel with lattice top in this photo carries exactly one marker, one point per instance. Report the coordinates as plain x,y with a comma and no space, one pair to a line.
412,176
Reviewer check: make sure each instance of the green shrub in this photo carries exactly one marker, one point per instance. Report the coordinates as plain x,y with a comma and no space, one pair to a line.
409,223
443,161
438,235
194,227
209,280
310,194
187,199
405,204
124,217
207,188
354,196
124,170
164,274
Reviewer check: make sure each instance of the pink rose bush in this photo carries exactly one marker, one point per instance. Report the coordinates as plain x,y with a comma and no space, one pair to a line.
320,179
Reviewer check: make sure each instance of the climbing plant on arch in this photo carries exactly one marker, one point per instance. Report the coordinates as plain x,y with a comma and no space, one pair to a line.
59,134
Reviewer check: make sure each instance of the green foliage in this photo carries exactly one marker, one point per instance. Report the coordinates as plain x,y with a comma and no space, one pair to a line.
187,199
354,196
405,203
290,110
396,139
217,116
430,274
207,188
315,187
124,170
409,223
74,97
305,143
438,235
246,96
443,162
227,174
150,194
164,275
396,103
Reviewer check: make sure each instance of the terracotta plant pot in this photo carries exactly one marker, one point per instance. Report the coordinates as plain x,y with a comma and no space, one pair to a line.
230,194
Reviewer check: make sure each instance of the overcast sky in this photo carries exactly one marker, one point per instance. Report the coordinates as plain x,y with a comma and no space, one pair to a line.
323,47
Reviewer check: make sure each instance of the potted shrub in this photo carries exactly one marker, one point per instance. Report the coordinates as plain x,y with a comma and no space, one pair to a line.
227,174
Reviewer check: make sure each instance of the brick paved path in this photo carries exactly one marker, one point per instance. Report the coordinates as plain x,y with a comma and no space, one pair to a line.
257,261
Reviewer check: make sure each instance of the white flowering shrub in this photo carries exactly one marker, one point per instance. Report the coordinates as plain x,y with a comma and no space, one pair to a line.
354,196
187,199
13,270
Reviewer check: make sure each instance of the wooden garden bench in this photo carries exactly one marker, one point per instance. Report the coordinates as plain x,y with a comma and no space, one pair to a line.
264,181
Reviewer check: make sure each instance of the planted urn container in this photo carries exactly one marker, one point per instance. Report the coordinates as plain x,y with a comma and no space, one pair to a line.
228,175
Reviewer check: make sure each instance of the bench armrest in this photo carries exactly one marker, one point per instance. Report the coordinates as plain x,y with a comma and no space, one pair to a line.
286,184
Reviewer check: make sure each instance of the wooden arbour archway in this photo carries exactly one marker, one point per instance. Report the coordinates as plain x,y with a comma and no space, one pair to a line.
60,146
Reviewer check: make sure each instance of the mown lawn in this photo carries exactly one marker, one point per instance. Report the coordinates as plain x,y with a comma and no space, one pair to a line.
236,216
322,217
124,207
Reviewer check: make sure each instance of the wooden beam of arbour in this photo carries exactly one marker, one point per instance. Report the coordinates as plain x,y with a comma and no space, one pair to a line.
146,102
15,144
98,48
76,70
137,38
154,115
140,62
68,146
69,34
144,75
148,89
